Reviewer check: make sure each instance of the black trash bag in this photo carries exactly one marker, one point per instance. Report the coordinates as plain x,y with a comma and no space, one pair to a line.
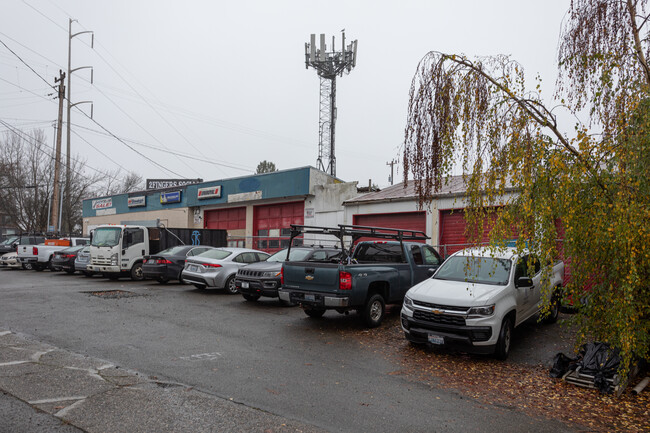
562,364
601,361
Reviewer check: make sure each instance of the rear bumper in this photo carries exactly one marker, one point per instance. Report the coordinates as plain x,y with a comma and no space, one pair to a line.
155,271
313,299
27,260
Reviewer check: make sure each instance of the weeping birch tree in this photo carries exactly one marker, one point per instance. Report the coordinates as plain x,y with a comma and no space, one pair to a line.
584,196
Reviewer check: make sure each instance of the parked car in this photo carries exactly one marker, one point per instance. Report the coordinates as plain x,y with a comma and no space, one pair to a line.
10,260
477,297
216,268
263,278
82,261
40,256
64,259
13,242
168,264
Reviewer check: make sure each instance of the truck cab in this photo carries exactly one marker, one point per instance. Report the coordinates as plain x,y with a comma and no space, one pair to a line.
118,250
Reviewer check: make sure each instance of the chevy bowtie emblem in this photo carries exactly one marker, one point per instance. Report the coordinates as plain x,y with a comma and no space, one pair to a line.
436,311
309,277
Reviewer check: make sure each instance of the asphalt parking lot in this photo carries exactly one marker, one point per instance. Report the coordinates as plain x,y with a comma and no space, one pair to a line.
238,366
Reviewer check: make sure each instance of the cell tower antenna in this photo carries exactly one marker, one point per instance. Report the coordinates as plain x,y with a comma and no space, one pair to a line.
328,64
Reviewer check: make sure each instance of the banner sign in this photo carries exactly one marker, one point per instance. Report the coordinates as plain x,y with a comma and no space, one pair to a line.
138,201
102,203
170,197
170,183
211,192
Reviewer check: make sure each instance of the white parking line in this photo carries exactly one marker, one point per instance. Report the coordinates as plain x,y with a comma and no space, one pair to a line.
65,410
3,364
56,400
201,357
2,333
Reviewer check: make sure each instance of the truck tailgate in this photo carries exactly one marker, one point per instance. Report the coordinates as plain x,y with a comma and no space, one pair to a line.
311,276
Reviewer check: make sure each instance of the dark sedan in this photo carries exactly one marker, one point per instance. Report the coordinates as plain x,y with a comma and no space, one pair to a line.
168,264
64,259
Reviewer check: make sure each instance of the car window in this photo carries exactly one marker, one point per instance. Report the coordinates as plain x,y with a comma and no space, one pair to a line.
319,255
262,256
378,252
215,253
172,251
197,251
417,255
247,258
431,257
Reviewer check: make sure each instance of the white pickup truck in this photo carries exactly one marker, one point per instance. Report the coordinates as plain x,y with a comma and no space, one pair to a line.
40,256
477,297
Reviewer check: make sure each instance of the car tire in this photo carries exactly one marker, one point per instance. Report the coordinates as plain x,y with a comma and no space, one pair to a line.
136,272
505,339
162,280
27,266
230,286
38,267
554,310
69,271
374,311
315,313
49,265
251,298
180,278
88,274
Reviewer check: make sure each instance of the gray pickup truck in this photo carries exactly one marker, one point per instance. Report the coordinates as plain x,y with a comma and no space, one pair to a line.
369,275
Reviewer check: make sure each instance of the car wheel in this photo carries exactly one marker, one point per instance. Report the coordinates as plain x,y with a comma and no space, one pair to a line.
374,310
251,298
49,265
27,266
69,271
314,313
231,287
505,338
136,272
162,280
553,311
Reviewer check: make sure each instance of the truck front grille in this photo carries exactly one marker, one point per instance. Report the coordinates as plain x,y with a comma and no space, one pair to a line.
101,261
446,319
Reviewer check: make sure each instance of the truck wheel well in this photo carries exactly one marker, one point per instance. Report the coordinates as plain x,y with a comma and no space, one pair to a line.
513,315
379,288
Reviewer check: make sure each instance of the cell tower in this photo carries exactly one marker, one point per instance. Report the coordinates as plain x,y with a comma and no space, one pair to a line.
328,65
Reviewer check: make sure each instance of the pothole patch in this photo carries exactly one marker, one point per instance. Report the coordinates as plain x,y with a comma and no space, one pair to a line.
112,294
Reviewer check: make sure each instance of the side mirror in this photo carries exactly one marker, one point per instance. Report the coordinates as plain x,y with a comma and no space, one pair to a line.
524,282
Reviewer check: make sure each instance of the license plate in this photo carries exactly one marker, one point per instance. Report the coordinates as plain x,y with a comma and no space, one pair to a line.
244,284
151,261
436,339
310,298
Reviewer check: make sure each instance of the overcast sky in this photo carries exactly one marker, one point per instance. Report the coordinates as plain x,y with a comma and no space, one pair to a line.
224,84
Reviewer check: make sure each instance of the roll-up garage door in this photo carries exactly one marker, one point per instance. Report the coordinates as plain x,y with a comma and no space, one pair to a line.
452,231
225,219
272,224
398,220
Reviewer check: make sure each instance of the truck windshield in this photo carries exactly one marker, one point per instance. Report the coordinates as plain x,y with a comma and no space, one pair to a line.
106,237
480,270
295,256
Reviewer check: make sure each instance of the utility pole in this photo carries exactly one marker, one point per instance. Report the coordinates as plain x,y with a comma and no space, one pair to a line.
70,105
328,65
54,217
391,163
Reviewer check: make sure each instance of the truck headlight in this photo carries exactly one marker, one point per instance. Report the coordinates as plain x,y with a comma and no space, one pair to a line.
408,303
478,312
114,259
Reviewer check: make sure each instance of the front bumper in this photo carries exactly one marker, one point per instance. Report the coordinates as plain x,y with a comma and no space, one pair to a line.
315,300
104,269
457,334
268,287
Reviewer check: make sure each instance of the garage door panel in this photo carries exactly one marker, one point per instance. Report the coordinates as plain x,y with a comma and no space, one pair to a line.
402,220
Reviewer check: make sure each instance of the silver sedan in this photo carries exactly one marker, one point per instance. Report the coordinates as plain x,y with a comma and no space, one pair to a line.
217,268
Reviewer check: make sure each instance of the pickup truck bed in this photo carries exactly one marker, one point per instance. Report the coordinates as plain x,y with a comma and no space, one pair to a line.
375,274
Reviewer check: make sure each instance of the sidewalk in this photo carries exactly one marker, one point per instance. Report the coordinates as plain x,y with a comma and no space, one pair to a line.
48,389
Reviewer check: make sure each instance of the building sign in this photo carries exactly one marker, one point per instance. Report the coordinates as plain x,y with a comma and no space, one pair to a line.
245,196
170,183
309,212
211,192
101,212
170,197
102,203
138,201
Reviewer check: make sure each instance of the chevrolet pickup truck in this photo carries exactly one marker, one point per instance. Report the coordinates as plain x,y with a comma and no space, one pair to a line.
40,256
370,274
478,296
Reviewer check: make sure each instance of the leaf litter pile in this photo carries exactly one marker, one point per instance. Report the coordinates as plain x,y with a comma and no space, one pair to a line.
524,387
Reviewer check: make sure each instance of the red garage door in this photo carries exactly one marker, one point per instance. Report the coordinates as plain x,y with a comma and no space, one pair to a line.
272,223
401,220
452,231
225,219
